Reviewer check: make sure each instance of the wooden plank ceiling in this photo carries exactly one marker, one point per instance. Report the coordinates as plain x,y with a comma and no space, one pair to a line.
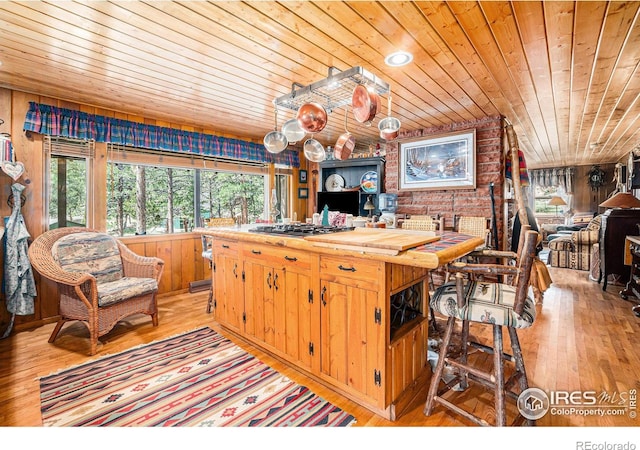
565,74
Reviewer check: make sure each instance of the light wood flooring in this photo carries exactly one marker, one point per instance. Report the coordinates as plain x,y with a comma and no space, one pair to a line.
583,339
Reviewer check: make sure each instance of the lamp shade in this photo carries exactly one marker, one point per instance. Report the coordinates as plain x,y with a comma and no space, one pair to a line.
621,200
557,201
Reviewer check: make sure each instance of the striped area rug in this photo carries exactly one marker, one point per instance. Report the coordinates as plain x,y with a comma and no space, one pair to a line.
197,379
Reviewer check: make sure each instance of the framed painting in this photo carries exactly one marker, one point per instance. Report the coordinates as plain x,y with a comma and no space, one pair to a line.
302,176
303,193
445,161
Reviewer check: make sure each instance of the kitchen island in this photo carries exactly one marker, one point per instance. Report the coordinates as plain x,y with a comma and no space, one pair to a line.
349,309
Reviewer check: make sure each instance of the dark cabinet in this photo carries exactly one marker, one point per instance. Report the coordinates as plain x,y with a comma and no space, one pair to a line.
616,225
352,172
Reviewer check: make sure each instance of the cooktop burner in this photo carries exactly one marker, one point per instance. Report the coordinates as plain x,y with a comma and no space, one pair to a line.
294,229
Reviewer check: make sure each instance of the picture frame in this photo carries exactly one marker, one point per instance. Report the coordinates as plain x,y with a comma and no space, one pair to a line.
446,161
303,193
302,176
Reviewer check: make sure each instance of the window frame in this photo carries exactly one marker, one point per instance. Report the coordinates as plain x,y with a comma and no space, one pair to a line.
69,148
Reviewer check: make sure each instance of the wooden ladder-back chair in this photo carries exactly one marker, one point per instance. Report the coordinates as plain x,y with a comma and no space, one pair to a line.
474,226
100,281
497,304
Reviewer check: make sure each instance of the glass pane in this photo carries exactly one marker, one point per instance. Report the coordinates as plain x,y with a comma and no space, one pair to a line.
67,192
234,195
149,200
282,190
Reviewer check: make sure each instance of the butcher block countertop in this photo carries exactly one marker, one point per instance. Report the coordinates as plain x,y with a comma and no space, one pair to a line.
406,247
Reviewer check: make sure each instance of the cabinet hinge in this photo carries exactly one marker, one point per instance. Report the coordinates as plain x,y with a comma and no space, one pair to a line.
377,316
310,296
214,266
243,276
311,348
377,377
215,303
244,317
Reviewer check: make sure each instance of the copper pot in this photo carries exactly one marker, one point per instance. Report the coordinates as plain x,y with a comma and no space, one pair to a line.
389,126
312,117
345,143
365,103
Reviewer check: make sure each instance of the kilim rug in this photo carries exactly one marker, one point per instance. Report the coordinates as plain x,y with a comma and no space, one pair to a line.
197,379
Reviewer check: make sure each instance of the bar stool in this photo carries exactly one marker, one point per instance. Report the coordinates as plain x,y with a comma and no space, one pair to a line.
492,303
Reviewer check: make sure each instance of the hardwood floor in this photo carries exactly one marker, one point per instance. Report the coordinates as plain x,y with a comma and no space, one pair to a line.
583,339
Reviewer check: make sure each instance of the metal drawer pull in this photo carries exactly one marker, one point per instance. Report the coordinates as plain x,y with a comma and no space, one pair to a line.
269,280
256,252
289,258
347,269
225,246
275,281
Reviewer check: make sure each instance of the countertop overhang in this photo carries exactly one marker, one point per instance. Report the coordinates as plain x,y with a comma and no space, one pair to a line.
448,247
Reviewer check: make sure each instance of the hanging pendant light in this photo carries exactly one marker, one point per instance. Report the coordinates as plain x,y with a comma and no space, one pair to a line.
275,141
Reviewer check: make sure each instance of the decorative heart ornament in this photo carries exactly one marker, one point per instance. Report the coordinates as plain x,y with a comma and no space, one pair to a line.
13,169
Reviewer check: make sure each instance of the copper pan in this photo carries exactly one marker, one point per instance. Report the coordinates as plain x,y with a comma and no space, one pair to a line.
365,103
312,117
345,143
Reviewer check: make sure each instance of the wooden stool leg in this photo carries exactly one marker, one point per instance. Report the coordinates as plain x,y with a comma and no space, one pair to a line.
463,357
498,373
210,301
437,375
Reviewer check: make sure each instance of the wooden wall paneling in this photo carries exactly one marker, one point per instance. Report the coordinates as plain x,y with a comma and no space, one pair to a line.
175,254
98,203
188,262
5,190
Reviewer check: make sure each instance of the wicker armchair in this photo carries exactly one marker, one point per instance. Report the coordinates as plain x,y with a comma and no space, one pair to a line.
100,281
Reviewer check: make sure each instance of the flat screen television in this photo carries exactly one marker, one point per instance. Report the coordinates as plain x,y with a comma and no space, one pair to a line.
347,202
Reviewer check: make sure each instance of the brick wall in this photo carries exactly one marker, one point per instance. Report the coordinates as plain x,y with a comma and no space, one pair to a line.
447,203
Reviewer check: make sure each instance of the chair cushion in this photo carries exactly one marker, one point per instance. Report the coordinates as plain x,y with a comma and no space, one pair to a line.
486,302
124,288
561,243
95,253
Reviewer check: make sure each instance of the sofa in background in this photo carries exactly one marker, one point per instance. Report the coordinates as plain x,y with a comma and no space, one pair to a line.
574,250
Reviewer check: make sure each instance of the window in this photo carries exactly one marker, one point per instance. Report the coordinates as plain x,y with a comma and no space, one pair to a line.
283,185
149,200
543,196
156,194
232,194
67,180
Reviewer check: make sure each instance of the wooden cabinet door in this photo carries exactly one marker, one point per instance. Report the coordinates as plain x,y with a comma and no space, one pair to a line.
259,307
227,285
352,339
295,312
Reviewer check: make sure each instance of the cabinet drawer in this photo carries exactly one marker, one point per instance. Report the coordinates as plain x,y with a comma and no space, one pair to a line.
225,246
362,270
278,257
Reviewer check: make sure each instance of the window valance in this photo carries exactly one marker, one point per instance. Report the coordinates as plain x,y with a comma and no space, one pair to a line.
54,121
556,177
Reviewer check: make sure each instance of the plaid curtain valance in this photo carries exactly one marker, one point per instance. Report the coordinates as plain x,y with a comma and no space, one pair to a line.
54,121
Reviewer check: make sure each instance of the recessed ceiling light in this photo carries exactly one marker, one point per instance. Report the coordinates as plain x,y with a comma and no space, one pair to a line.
397,59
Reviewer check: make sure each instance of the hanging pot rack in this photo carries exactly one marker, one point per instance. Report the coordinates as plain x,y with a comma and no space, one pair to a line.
332,92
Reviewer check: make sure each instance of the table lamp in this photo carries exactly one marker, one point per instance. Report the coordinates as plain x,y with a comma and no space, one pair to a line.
369,206
621,200
557,201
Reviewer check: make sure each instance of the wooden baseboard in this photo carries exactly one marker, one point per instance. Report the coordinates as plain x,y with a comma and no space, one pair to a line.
199,286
